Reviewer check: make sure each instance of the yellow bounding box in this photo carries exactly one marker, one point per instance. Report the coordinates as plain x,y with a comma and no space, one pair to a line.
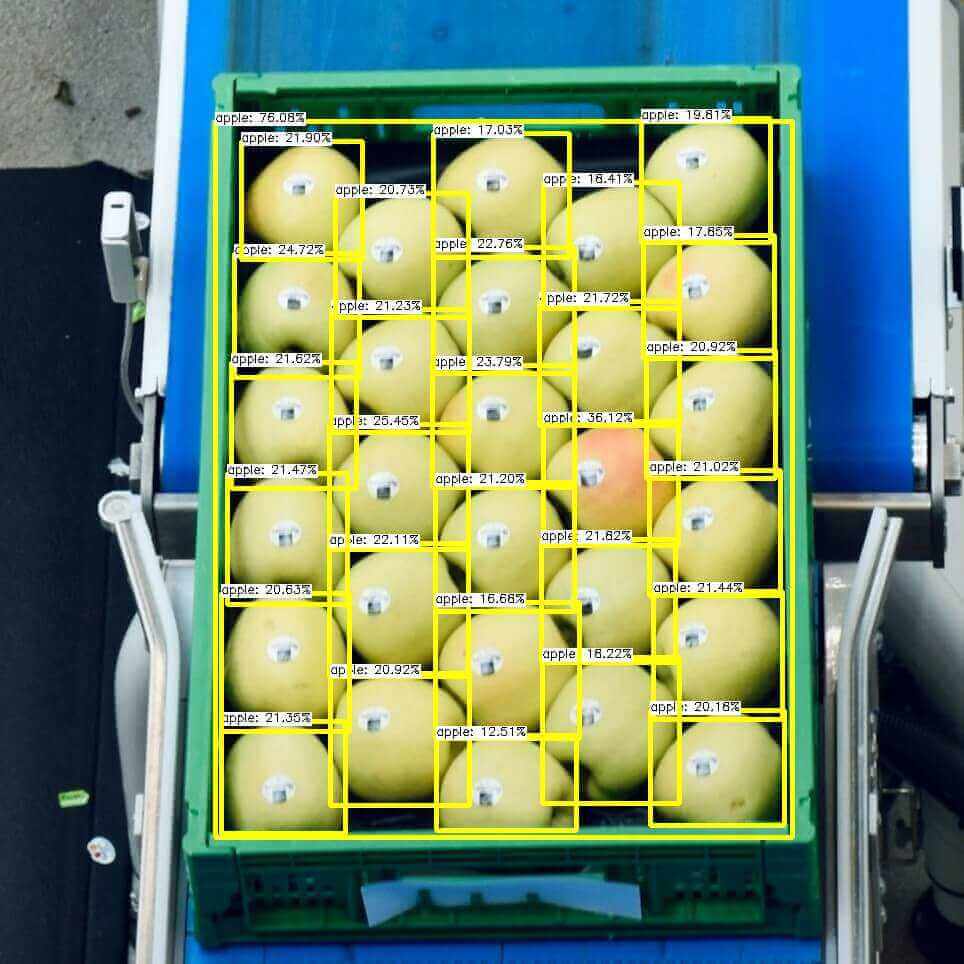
504,509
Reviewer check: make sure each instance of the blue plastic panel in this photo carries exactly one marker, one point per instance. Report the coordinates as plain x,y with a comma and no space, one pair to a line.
857,227
723,951
374,35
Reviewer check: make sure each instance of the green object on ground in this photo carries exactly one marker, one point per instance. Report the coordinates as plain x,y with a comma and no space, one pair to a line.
73,798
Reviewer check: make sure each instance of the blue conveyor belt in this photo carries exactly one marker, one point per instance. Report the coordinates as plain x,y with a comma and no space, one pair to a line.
854,156
856,223
697,951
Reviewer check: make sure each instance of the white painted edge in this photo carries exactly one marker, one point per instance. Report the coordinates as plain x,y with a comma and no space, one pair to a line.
167,161
929,200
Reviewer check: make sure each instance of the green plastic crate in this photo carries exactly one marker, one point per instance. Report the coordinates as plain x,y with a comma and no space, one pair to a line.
256,890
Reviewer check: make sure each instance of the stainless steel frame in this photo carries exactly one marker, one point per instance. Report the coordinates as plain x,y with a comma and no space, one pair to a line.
121,514
858,925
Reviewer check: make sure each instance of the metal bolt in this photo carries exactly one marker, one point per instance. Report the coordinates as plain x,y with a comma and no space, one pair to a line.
114,507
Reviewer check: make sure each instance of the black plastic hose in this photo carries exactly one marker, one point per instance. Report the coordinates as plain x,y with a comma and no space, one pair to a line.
925,755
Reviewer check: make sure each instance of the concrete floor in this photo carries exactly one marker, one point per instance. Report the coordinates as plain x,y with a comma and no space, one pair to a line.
78,83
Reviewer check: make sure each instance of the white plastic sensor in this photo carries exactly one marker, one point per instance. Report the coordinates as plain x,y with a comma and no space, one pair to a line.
121,243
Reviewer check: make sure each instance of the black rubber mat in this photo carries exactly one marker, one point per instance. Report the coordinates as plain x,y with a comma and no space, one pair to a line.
66,602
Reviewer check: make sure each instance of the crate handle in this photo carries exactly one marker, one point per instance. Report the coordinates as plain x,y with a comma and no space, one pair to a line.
592,893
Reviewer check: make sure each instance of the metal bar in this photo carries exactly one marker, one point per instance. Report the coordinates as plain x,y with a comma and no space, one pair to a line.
865,729
890,502
846,924
121,514
857,809
837,584
840,521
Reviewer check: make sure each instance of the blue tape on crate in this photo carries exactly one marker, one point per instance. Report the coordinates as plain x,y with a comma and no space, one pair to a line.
387,899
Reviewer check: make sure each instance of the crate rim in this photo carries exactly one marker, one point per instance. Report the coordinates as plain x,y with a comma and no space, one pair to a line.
784,81
545,79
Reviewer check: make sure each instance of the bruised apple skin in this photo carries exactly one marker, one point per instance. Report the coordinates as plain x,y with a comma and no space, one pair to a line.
396,259
723,173
611,479
503,178
276,660
504,420
393,492
292,199
279,781
504,791
606,236
390,744
729,649
609,362
505,541
731,774
396,368
287,420
284,307
611,590
725,292
615,713
727,413
728,533
504,661
282,536
503,308
393,603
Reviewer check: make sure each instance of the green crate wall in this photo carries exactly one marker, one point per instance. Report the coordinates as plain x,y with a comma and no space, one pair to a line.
253,890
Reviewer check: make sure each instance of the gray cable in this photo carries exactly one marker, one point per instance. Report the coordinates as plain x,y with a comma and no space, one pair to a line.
125,363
